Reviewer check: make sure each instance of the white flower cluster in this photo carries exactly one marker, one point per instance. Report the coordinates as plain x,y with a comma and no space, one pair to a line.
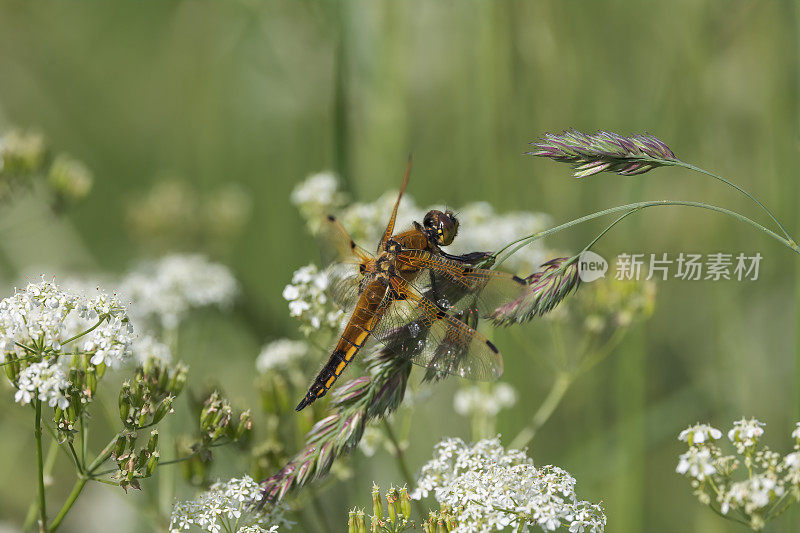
770,477
168,288
45,319
317,196
45,381
484,399
281,353
745,433
489,488
146,347
308,301
230,506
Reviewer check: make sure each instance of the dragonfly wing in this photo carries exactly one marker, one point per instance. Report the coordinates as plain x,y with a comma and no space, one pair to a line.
345,262
344,285
417,328
464,287
336,245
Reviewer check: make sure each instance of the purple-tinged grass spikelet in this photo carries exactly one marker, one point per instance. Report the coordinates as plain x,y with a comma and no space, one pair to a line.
548,287
605,151
354,404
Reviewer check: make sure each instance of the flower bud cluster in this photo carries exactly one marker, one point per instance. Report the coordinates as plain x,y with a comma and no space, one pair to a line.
82,380
148,398
392,516
441,521
217,420
135,464
24,155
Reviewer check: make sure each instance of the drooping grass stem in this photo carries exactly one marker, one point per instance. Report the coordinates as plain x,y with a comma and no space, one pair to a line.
738,188
514,246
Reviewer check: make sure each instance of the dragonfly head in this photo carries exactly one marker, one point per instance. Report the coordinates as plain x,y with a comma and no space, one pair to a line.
440,227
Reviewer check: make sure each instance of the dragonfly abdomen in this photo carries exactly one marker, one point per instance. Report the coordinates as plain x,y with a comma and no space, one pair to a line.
353,337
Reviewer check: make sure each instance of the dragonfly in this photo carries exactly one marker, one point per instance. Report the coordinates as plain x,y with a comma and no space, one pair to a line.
413,297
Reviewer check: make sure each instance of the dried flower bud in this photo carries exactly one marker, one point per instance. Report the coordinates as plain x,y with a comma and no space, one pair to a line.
405,502
178,379
245,424
152,444
91,382
69,178
119,447
391,504
22,153
11,365
152,463
361,521
163,408
377,502
351,521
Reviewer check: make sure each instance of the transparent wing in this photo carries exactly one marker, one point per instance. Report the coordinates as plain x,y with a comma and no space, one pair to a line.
336,245
345,262
413,326
460,286
344,285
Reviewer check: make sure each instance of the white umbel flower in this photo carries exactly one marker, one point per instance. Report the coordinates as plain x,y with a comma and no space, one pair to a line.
146,347
231,506
44,318
696,463
476,399
308,301
490,488
45,381
699,433
745,433
281,353
168,288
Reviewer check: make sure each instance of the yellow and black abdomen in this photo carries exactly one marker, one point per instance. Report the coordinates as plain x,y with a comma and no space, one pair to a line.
365,316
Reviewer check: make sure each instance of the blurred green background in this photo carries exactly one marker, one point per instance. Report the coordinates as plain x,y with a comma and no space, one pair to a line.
261,94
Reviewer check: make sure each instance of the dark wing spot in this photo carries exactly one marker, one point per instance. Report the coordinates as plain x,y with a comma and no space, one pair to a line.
331,218
352,245
362,268
491,346
400,296
467,270
519,280
440,314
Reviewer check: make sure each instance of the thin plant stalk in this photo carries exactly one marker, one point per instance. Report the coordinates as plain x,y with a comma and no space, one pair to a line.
37,432
514,246
49,463
80,483
738,188
557,391
402,464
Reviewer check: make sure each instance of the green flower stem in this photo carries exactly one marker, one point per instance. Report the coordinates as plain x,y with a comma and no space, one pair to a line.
78,463
49,463
84,438
79,335
80,483
516,245
738,188
77,488
557,390
402,464
37,432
